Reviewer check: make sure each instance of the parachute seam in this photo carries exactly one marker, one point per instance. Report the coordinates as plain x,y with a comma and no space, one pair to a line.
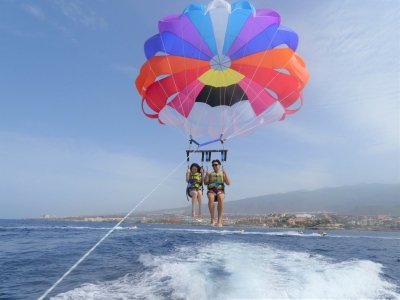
184,60
172,74
264,89
240,132
234,88
175,126
197,76
254,75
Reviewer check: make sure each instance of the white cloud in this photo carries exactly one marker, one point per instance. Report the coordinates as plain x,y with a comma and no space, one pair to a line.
20,33
355,71
79,13
64,30
34,10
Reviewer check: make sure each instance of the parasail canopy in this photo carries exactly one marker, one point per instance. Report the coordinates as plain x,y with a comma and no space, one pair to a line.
221,69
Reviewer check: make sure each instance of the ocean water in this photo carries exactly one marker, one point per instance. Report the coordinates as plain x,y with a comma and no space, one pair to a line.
195,262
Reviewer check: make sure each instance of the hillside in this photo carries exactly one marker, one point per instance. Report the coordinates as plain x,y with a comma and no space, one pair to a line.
363,199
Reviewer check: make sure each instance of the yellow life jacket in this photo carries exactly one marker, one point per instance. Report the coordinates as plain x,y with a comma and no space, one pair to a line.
216,179
195,180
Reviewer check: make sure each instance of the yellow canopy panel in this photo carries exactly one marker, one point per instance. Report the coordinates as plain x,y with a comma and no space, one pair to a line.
221,78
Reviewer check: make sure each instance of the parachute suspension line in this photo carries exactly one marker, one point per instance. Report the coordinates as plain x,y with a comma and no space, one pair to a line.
207,159
234,88
189,119
266,122
176,128
259,94
197,76
225,116
108,233
223,101
186,80
173,78
247,87
188,123
190,147
202,110
173,127
223,155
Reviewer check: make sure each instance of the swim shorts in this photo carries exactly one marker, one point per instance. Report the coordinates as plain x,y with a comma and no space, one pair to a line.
215,193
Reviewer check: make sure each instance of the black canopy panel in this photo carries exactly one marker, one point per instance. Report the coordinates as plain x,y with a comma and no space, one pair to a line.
215,96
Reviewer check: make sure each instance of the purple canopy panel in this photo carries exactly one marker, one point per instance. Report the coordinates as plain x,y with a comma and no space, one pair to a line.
182,27
264,18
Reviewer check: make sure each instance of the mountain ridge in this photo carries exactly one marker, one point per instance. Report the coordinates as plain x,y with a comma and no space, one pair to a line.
360,199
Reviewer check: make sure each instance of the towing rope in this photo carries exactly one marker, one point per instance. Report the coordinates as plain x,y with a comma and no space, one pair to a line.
108,233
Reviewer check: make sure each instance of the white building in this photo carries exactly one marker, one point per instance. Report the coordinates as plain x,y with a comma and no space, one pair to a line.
308,216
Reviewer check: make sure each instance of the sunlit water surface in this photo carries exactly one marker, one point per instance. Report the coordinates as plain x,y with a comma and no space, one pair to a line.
196,262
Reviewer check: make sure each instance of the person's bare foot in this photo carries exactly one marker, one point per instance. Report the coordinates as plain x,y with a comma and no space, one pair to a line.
212,223
219,224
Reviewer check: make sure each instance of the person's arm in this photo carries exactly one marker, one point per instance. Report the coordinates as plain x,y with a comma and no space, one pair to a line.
187,174
226,178
207,178
202,174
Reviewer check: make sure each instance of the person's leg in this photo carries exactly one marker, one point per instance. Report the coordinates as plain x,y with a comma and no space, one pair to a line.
199,200
220,198
211,198
193,193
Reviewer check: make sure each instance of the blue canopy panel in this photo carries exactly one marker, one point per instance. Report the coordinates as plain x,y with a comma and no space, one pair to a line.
243,4
240,13
203,23
270,38
171,44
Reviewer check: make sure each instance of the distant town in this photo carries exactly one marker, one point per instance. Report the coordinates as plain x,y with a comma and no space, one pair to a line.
315,221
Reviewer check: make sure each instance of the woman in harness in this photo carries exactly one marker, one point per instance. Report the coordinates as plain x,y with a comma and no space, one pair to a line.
195,178
216,190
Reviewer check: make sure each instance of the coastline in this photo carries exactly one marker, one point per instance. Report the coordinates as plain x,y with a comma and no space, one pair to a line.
206,221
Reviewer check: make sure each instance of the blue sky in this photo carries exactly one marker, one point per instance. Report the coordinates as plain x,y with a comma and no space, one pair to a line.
73,139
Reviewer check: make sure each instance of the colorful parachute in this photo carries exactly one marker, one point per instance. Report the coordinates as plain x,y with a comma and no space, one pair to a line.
222,69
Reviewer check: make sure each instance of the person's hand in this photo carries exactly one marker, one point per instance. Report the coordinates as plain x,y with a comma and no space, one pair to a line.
201,170
223,171
208,172
188,170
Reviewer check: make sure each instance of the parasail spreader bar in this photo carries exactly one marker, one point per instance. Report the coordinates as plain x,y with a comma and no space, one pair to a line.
207,143
206,154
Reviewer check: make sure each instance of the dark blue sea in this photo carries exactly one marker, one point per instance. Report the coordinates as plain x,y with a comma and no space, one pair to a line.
195,262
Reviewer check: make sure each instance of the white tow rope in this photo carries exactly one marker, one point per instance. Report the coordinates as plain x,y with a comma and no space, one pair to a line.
108,233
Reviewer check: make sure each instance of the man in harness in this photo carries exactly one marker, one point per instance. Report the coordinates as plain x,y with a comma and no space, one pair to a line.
216,181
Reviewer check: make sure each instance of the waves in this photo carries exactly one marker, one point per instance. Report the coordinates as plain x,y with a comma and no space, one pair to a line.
227,270
58,227
306,233
196,262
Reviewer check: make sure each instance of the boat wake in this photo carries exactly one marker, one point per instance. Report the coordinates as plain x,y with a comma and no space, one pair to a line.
226,270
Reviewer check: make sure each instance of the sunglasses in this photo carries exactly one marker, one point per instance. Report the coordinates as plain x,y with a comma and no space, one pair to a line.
214,165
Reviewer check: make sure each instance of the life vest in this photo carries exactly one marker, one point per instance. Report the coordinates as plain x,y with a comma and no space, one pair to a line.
216,181
194,180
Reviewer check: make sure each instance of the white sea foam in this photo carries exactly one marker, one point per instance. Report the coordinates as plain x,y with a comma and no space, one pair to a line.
241,271
306,233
